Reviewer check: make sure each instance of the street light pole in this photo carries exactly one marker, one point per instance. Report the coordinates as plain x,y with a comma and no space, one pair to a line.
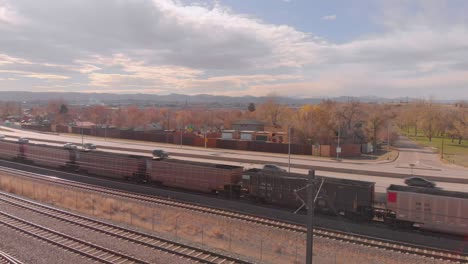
388,141
442,149
181,129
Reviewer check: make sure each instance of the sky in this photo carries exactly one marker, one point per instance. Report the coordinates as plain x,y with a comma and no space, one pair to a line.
295,48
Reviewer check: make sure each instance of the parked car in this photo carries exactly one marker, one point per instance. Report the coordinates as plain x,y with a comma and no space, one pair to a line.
89,146
419,182
69,146
2,137
160,154
23,140
273,167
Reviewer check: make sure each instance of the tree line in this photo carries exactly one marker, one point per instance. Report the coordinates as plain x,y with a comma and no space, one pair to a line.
323,123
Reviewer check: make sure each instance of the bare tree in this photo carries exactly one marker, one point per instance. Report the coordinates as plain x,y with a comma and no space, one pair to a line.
271,111
430,118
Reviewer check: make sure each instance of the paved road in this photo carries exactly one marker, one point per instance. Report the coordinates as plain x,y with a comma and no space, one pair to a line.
412,159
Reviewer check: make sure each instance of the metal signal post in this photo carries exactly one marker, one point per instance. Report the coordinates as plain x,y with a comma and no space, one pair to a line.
310,216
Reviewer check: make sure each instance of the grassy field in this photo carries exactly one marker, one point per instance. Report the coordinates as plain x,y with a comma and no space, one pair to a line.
453,152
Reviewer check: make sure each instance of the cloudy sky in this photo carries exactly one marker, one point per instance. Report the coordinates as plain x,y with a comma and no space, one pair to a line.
297,48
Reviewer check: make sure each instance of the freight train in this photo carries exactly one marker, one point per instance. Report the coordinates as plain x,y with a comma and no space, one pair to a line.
426,208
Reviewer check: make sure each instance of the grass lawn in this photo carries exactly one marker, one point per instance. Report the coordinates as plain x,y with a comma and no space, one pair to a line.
453,152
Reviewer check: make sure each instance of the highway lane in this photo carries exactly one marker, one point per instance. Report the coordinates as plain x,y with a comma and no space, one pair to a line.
412,159
381,182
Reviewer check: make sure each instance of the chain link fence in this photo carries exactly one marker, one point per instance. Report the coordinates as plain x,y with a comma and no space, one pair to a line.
262,243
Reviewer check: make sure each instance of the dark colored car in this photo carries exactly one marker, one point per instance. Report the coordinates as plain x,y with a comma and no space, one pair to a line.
160,154
419,182
89,146
273,167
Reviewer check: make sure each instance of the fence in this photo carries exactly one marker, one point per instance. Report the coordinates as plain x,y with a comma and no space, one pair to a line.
175,137
259,243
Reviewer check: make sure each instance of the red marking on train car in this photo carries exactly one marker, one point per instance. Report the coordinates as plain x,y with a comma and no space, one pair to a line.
391,197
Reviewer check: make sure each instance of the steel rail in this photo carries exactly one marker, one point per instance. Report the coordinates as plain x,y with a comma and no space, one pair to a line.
6,258
72,244
381,243
147,240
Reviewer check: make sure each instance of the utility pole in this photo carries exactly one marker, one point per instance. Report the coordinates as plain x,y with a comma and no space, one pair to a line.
338,149
289,149
205,139
310,216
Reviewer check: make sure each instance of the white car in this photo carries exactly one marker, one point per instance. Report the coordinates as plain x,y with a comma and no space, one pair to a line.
2,137
23,140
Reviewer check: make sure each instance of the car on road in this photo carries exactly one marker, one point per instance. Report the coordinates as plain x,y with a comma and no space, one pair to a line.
419,182
23,140
273,167
69,146
89,146
159,154
2,137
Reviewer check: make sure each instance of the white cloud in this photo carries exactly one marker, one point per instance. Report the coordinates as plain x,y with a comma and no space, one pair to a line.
164,46
329,17
46,76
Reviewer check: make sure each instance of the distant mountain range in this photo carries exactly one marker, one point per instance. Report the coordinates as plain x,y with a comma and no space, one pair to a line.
175,99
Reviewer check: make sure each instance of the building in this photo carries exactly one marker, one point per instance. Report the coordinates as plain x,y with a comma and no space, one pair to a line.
248,125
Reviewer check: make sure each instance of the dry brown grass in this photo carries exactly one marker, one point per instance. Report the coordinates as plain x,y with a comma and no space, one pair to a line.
235,236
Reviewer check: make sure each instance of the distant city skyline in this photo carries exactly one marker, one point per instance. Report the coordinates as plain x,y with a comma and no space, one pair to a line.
294,48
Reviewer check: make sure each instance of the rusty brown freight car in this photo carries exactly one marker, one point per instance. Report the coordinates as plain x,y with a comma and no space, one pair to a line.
196,176
110,165
8,150
48,156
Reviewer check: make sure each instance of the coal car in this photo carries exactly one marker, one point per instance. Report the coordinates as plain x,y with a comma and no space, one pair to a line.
111,165
349,198
428,208
9,150
196,176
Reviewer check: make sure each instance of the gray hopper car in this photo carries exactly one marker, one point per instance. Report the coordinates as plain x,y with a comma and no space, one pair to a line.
349,198
428,208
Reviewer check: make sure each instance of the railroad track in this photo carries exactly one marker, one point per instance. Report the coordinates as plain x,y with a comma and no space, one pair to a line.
164,201
348,237
6,258
78,246
401,247
143,239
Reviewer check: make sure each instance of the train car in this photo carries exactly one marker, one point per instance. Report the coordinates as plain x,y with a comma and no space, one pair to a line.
428,208
111,165
197,176
9,150
349,198
48,156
